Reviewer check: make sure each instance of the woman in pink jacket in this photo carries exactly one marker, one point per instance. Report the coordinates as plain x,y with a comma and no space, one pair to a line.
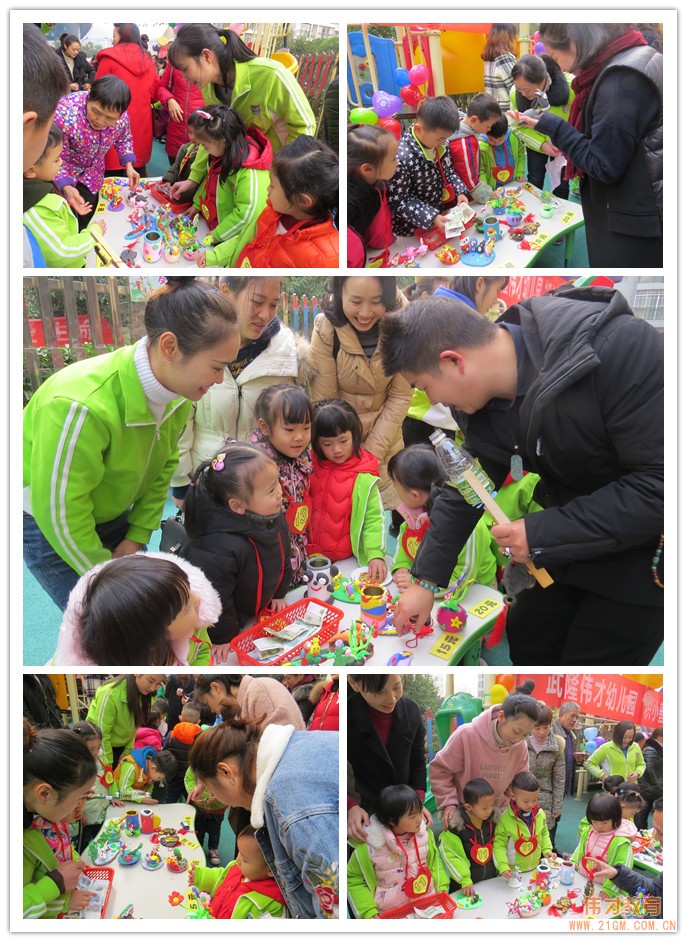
181,98
493,746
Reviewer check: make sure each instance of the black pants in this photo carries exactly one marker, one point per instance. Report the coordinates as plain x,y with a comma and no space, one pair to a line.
176,790
91,198
210,824
88,833
641,819
536,171
121,172
566,626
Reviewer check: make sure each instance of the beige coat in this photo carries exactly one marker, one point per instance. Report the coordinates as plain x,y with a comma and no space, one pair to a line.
381,401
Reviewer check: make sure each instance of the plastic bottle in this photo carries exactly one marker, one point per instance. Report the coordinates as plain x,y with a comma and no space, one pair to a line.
456,461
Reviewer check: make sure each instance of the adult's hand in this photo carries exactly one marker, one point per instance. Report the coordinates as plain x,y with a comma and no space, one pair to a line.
133,176
602,869
521,118
402,579
415,601
70,871
358,822
195,794
74,87
446,815
513,537
220,653
184,188
175,110
633,776
127,548
76,200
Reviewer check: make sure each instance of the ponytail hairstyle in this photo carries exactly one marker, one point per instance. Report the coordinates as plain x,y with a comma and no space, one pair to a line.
627,793
518,703
367,144
284,401
234,738
308,168
137,702
88,731
332,417
228,48
198,314
123,595
229,475
418,468
66,40
59,757
219,123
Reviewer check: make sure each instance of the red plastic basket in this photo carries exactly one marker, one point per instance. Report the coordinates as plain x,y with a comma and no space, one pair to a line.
438,899
101,873
162,196
242,644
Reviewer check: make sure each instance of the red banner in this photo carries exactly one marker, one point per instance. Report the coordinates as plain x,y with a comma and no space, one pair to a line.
529,286
38,336
611,696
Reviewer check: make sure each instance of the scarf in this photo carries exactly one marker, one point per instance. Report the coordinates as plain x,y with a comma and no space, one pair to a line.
254,348
584,80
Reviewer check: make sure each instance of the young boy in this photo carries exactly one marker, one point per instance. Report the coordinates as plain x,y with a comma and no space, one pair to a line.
47,215
181,739
483,111
246,888
522,838
209,815
138,771
425,184
467,848
501,155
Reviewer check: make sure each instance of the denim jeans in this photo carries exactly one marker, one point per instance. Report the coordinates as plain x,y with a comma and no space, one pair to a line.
57,577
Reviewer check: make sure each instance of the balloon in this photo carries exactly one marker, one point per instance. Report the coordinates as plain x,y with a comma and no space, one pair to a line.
237,28
506,680
385,105
498,693
648,680
590,733
535,36
411,95
540,49
401,77
590,747
419,74
599,740
391,125
363,116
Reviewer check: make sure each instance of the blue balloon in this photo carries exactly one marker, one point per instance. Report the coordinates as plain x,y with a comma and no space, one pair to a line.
401,77
590,747
590,733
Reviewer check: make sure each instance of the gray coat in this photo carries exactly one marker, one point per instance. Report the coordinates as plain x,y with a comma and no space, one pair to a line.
548,766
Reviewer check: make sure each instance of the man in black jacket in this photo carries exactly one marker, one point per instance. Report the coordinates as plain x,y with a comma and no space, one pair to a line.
570,387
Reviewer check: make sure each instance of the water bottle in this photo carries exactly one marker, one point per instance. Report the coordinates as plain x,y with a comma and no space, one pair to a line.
456,461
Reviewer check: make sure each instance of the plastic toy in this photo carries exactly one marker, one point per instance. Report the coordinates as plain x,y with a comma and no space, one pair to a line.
541,104
197,904
128,858
433,238
447,255
176,863
527,904
152,861
468,902
116,204
168,837
400,659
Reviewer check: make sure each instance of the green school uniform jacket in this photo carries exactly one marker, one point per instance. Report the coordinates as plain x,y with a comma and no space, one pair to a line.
56,229
93,450
619,852
610,759
42,897
110,711
253,905
534,139
510,829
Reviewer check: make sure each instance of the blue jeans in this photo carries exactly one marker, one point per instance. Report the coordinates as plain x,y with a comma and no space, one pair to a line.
57,577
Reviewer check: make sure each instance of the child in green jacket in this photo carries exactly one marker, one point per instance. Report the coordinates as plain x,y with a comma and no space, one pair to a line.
467,847
522,837
47,214
234,191
245,888
601,838
138,771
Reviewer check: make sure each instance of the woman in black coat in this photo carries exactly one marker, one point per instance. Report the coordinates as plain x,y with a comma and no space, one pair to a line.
614,139
651,783
80,72
386,744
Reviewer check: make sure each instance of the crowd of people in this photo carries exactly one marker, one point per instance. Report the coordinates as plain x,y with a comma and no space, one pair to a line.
587,107
241,145
142,741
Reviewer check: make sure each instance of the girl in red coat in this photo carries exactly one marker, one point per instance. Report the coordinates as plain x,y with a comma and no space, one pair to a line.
128,60
296,230
181,98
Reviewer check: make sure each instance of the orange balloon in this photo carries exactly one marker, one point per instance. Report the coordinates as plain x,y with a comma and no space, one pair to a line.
506,680
648,680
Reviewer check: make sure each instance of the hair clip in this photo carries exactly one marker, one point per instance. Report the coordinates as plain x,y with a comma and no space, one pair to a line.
204,114
224,39
218,462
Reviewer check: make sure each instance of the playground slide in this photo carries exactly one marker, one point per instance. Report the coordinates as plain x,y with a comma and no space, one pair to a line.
463,67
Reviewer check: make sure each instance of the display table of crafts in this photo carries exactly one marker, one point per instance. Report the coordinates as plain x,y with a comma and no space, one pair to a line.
497,896
138,892
142,231
435,648
648,853
549,222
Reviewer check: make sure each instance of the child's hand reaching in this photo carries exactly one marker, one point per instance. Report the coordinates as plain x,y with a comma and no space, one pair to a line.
278,605
507,874
101,224
468,890
220,653
402,578
70,871
76,200
191,873
147,800
462,199
440,222
201,261
80,899
376,570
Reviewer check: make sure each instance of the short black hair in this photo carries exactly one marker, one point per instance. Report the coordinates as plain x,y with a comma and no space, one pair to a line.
483,106
165,762
45,80
604,807
55,137
526,782
545,718
284,401
370,683
499,128
611,782
308,167
439,114
658,805
111,92
621,729
396,800
332,417
332,303
518,703
628,793
475,789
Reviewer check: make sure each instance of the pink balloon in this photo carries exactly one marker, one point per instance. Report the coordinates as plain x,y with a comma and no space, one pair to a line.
535,36
418,74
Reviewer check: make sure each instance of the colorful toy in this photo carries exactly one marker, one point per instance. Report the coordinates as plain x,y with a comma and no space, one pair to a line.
192,251
433,238
127,912
103,852
168,837
152,861
400,659
447,255
137,200
479,254
152,247
197,904
468,902
527,904
546,211
172,253
176,863
127,858
373,605
116,204
132,824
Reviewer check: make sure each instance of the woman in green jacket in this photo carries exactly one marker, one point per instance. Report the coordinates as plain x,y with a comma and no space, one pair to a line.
101,436
620,756
119,707
263,93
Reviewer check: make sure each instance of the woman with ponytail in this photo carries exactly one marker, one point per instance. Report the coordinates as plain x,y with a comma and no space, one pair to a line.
263,93
59,772
289,780
101,435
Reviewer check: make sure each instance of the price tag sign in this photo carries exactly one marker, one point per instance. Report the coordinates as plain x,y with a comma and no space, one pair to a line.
569,216
509,263
101,207
541,238
485,608
187,842
446,645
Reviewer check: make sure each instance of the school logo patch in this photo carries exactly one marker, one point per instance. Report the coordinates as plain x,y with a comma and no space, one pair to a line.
255,109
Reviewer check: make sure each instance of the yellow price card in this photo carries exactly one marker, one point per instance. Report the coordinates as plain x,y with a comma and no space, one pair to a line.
485,608
446,645
569,216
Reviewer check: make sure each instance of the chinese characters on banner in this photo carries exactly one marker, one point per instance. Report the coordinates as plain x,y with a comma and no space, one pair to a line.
609,695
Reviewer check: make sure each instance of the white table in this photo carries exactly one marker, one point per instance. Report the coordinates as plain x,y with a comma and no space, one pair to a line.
566,218
462,647
118,225
148,890
497,894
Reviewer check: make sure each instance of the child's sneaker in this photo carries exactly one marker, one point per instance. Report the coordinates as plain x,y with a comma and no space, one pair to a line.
213,856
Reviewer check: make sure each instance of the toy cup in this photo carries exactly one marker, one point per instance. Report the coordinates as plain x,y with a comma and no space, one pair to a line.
132,822
546,210
172,254
152,247
567,872
320,564
373,606
513,219
147,823
492,228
